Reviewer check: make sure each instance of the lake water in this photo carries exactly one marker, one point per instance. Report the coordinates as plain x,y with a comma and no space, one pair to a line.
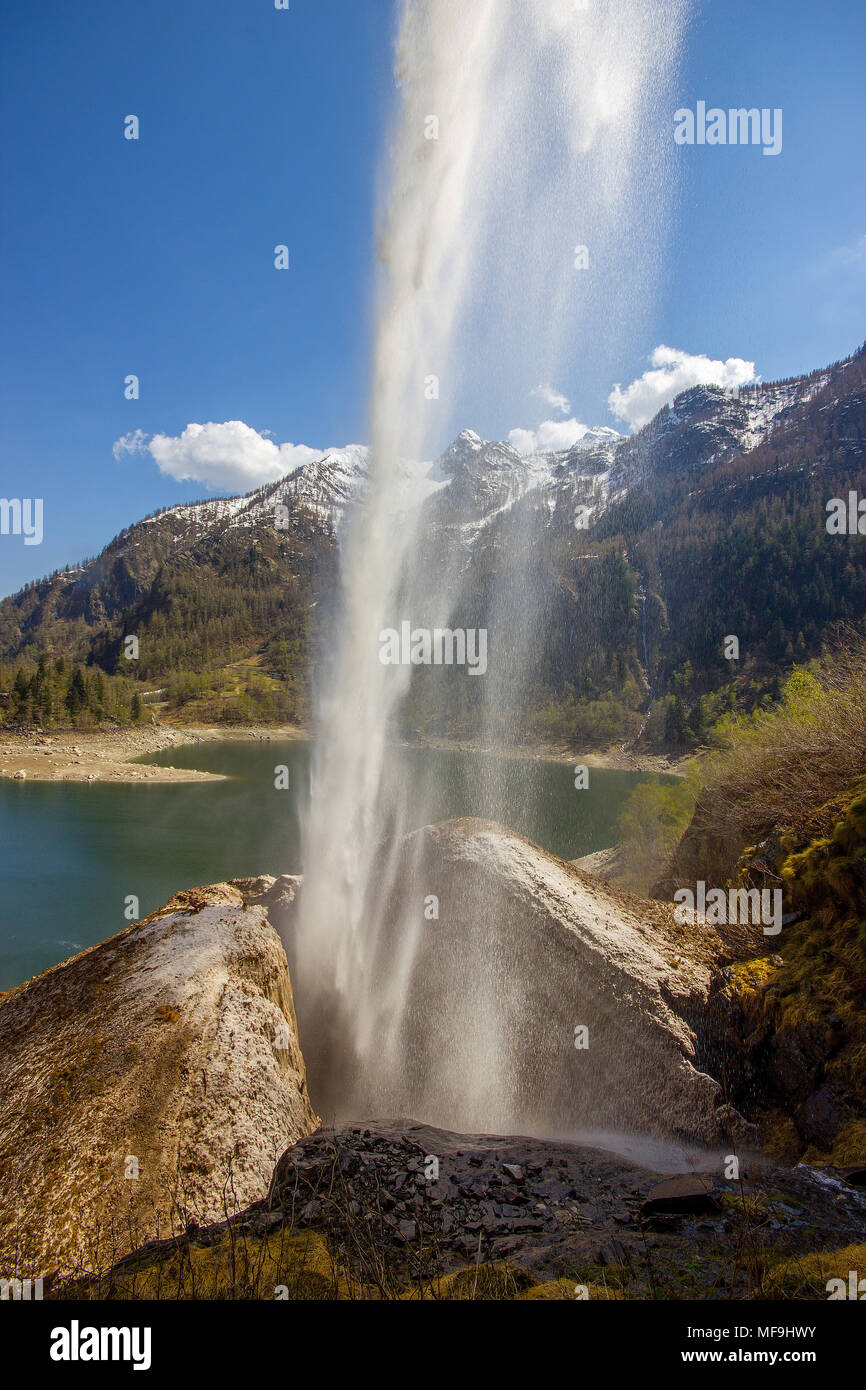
73,852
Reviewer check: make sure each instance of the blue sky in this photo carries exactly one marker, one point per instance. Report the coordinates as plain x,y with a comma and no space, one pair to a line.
261,127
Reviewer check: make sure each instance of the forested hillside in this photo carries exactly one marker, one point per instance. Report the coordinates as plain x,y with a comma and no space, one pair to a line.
225,621
707,525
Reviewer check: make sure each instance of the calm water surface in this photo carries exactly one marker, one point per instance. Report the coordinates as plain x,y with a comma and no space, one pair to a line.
73,852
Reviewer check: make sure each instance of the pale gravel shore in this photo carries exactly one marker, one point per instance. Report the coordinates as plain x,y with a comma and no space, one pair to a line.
671,765
104,755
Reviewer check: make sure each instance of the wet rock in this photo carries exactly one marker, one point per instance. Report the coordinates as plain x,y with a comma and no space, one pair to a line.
820,1117
348,1162
663,1224
609,1254
795,1063
736,1129
473,1214
680,1196
542,952
803,1210
267,1221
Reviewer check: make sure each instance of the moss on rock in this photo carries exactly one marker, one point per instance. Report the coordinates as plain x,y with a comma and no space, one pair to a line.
803,1008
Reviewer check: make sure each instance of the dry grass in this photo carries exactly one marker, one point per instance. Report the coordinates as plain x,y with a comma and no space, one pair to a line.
807,1276
782,769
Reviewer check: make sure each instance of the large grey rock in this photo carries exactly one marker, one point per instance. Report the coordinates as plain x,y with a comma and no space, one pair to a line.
169,1050
468,1020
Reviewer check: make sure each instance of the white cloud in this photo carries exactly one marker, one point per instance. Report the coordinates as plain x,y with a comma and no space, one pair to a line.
551,435
674,371
227,457
231,455
133,443
554,399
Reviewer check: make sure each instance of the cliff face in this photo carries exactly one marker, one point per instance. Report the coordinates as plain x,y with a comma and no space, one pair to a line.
169,1052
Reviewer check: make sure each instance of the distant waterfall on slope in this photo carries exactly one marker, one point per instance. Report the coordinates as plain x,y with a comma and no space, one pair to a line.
651,694
522,133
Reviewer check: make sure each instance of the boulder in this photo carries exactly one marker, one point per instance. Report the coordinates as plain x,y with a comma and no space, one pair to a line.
148,1084
537,1000
687,1193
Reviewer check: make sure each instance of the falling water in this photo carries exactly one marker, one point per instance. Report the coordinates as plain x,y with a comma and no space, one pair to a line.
521,131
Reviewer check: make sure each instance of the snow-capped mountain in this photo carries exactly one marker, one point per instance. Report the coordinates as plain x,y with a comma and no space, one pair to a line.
286,529
476,480
325,487
708,423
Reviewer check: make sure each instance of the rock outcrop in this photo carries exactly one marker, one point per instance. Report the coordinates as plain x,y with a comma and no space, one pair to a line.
148,1084
544,1206
536,1000
787,1027
391,1209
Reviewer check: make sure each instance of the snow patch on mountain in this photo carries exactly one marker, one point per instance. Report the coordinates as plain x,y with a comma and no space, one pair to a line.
477,480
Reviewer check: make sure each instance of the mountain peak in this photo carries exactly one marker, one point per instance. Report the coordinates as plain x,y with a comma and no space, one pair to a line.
469,449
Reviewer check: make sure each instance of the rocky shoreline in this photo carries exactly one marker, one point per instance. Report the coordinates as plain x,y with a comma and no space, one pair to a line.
614,759
106,755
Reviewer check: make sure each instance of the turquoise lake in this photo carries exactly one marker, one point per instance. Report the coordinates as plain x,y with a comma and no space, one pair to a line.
73,852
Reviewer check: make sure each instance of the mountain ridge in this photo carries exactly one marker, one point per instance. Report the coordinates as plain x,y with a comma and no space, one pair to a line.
254,578
735,420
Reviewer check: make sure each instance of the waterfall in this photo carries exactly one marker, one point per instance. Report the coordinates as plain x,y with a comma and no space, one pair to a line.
521,132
